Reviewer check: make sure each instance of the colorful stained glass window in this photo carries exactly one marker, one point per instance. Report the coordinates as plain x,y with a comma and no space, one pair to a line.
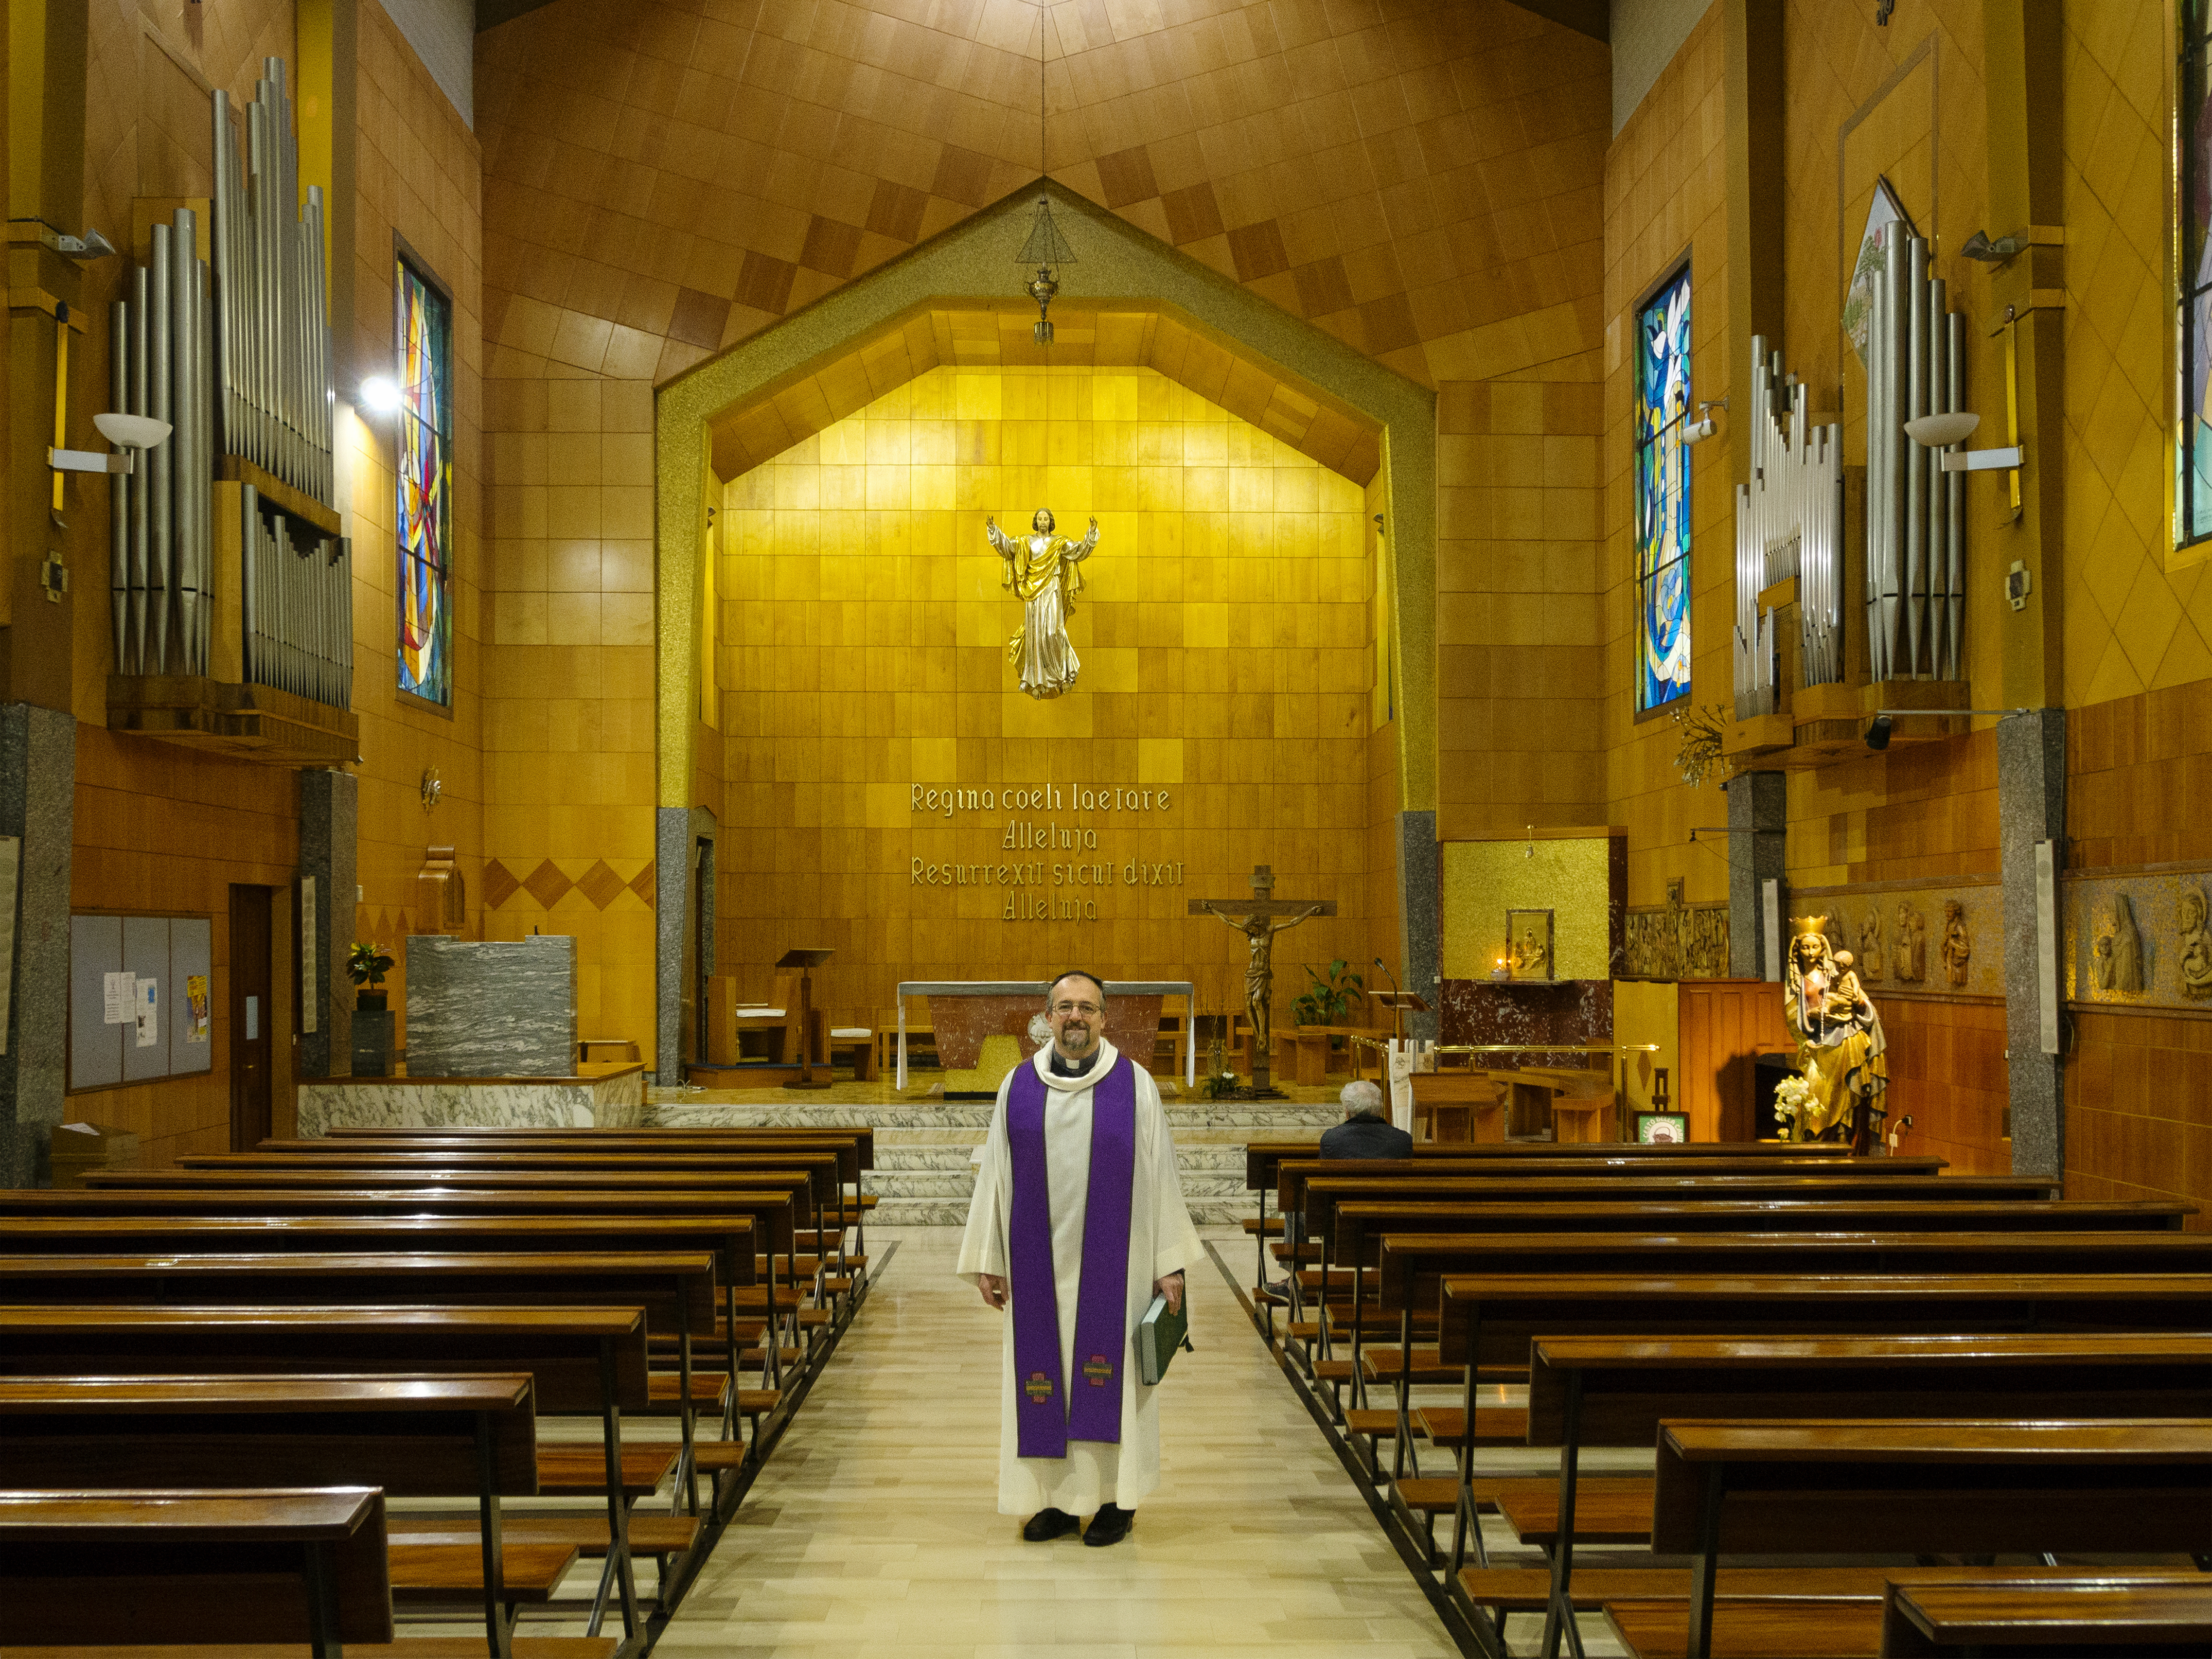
1662,496
425,442
2192,497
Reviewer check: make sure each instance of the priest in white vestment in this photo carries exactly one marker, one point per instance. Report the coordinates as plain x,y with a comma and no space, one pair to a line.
1078,1132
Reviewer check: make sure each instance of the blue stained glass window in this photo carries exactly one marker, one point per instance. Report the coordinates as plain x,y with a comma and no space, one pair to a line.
1662,496
425,506
2192,496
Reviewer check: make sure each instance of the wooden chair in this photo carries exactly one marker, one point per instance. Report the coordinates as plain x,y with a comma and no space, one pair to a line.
860,1042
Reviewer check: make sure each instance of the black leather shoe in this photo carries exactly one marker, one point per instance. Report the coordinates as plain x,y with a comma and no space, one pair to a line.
1048,1524
1110,1526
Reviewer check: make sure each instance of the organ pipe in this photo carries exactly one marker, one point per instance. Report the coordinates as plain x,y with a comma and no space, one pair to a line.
275,353
1788,522
1916,531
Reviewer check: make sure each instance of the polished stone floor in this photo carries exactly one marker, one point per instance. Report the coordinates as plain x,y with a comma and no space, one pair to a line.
874,1529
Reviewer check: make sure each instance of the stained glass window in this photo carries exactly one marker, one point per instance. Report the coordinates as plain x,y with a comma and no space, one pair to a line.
426,470
2192,496
1662,496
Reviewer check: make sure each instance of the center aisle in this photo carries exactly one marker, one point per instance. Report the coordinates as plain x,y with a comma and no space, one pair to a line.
876,1522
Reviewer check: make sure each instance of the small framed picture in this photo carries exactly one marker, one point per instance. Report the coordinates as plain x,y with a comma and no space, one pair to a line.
1529,944
1661,1128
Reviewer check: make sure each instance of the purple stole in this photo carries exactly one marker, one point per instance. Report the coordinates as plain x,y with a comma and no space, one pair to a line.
1047,1414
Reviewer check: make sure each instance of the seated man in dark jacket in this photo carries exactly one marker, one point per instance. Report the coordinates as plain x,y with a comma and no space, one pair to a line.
1366,1131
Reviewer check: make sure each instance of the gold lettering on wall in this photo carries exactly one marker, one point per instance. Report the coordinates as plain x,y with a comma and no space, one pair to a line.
1026,836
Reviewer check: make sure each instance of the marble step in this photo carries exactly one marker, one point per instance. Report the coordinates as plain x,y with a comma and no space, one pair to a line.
951,1212
1275,1119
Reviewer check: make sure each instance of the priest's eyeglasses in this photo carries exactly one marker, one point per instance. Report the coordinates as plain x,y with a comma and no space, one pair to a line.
1076,1008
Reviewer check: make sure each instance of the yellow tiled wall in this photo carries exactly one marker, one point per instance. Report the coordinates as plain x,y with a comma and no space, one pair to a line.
1225,632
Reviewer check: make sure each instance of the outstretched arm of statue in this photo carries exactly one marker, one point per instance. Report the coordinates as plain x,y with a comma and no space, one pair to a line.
1078,551
1223,916
1005,547
1282,922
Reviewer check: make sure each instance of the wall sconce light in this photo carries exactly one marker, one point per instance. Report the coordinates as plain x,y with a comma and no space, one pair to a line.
1696,432
380,395
84,249
128,433
1878,734
1942,431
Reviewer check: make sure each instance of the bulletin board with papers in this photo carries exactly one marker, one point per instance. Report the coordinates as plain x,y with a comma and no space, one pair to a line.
141,1005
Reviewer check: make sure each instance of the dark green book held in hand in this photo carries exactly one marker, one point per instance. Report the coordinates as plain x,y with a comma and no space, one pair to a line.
1159,1333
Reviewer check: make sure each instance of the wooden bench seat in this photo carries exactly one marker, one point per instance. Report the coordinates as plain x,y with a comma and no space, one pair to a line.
1751,1627
582,1361
1819,1486
407,1647
1444,1426
2000,1615
1527,1590
149,1567
413,1437
649,1534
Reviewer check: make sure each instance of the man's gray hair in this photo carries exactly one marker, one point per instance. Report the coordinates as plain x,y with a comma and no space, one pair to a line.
1361,1096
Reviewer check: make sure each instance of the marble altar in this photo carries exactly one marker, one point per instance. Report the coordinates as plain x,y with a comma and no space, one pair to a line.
491,1009
962,1012
611,1097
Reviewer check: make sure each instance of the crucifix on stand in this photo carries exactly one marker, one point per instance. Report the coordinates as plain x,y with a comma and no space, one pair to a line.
1259,918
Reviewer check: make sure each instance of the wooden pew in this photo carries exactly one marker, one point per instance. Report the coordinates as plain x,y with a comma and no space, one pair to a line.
856,1150
861,1136
582,1361
1616,1391
417,1437
1489,1323
1822,1487
768,1206
729,1239
2001,1615
676,1293
1417,1262
1262,1157
824,1163
79,1569
1316,1195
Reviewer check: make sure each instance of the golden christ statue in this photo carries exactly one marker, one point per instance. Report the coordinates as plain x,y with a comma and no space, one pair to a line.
1041,567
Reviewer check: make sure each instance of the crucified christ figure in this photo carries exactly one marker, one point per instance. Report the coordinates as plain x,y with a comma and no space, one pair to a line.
1260,969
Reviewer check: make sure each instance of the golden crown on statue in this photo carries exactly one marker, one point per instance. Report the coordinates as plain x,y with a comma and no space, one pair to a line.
1803,924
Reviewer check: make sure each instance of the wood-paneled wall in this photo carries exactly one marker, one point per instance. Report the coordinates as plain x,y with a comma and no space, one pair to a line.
1726,1023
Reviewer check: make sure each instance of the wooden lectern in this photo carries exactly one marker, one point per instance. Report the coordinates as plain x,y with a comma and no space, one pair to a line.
1401,1002
806,961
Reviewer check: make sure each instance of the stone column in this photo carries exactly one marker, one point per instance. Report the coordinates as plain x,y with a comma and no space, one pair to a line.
677,831
329,817
1420,929
2030,807
1758,807
38,795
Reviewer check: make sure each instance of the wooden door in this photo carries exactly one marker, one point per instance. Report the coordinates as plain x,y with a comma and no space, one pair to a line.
1726,1023
252,1039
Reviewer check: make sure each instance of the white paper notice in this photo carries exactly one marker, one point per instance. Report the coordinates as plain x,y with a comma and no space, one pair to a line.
254,1019
149,1003
119,998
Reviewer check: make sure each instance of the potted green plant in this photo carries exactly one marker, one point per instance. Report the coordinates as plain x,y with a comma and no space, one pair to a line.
1329,998
366,964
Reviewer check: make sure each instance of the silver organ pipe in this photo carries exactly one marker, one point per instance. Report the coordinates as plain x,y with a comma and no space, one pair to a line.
1915,565
1788,522
234,351
118,512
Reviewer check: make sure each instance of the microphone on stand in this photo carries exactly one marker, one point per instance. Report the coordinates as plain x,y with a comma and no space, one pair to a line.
1393,978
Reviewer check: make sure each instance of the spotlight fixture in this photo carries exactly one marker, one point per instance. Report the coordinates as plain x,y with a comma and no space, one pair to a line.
86,248
1978,246
1878,733
1696,431
379,394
